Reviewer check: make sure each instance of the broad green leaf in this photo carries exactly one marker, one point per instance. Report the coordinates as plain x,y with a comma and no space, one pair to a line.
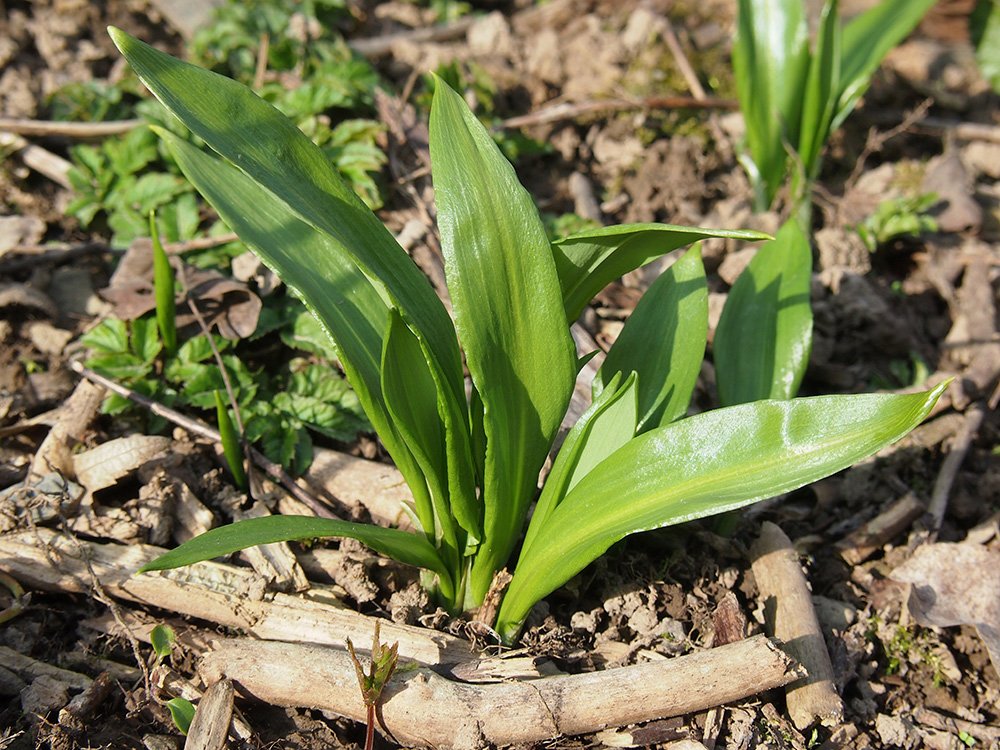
162,638
509,315
589,261
822,87
664,342
410,396
603,428
411,549
293,171
762,344
706,464
866,41
770,62
351,309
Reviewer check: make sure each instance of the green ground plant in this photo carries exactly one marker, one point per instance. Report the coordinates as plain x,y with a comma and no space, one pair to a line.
633,462
794,96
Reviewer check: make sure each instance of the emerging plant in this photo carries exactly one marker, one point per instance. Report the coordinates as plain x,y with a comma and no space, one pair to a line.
632,462
907,216
792,97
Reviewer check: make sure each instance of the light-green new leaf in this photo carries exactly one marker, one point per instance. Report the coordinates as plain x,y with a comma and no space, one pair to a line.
712,462
509,315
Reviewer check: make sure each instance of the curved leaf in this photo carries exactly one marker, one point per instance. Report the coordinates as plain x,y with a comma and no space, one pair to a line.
761,347
589,261
866,41
411,549
663,341
703,465
509,316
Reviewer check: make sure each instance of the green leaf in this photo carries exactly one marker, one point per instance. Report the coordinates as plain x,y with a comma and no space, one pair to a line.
984,28
821,91
268,148
307,334
163,289
110,336
589,261
866,41
509,315
603,428
230,442
124,367
664,342
762,344
770,62
410,396
182,712
162,639
411,549
339,295
706,464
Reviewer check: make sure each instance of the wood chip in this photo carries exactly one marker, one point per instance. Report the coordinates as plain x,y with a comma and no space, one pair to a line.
210,726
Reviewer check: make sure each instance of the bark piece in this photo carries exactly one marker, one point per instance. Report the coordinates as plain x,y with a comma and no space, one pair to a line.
792,619
869,538
210,725
223,594
420,707
30,669
358,482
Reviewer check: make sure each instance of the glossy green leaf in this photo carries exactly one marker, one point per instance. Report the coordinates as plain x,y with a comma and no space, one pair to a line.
162,638
822,88
703,465
411,549
770,63
588,261
509,315
866,41
761,347
410,395
349,308
603,428
664,342
266,146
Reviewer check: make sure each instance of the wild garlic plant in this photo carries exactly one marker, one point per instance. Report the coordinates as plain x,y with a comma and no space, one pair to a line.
634,461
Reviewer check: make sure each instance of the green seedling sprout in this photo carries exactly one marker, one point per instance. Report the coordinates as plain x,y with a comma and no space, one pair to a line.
163,290
162,638
382,665
182,712
230,443
634,461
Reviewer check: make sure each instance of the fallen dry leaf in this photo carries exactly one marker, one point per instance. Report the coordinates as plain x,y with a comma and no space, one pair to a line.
104,465
956,584
225,303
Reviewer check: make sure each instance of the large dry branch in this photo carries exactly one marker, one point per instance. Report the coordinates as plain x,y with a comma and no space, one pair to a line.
421,707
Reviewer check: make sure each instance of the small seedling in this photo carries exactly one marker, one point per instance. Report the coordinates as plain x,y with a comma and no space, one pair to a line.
230,442
163,291
182,712
633,462
162,638
898,217
382,665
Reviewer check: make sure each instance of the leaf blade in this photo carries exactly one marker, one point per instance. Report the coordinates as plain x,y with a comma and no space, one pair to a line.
706,464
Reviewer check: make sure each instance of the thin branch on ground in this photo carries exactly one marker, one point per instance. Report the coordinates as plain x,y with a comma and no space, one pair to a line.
573,110
76,130
197,427
938,505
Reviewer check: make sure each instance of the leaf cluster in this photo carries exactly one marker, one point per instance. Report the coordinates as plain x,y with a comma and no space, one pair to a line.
907,216
793,95
471,452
